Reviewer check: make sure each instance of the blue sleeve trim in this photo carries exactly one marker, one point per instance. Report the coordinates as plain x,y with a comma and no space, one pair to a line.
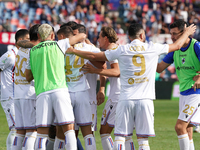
197,49
169,58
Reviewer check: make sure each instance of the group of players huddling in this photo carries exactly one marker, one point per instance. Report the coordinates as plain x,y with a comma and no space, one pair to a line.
48,84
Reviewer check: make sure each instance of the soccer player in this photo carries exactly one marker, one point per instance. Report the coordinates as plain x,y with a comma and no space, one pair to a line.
187,63
73,25
137,63
107,40
46,66
7,68
78,86
24,99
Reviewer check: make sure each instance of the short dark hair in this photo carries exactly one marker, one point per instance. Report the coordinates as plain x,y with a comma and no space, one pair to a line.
109,33
33,32
134,29
180,24
81,28
66,31
71,24
21,34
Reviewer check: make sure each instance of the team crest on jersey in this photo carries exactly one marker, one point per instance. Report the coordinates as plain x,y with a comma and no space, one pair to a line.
183,60
3,61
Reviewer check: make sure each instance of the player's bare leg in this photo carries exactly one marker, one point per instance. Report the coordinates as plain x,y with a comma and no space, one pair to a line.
183,137
51,137
70,138
42,135
60,138
90,143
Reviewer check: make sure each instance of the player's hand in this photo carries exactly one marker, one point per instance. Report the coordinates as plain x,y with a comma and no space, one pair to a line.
87,41
100,97
87,68
197,82
70,50
190,30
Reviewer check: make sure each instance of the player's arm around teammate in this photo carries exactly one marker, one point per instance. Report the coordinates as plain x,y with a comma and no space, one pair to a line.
101,56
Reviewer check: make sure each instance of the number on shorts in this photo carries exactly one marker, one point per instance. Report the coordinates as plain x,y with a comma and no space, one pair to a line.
68,67
18,66
188,108
104,113
92,117
142,64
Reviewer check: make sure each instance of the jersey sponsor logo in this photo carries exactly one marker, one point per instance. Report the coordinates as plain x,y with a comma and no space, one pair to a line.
131,81
74,79
20,81
111,106
183,60
43,45
185,68
183,55
137,80
3,61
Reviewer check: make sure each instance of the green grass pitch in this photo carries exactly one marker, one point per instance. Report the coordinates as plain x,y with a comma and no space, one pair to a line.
166,113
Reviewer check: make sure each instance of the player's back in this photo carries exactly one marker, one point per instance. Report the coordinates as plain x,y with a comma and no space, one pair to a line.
23,88
138,62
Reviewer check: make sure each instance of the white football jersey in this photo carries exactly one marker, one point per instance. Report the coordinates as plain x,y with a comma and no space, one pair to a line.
92,80
76,79
7,65
114,84
23,88
137,63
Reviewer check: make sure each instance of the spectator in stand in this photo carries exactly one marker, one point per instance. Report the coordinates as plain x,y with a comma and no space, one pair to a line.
43,17
171,4
71,17
158,12
138,13
70,5
156,28
90,14
132,13
119,30
123,8
167,17
79,13
164,29
91,25
7,26
1,28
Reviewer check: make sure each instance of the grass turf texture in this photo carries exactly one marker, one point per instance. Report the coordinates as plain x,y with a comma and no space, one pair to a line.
166,113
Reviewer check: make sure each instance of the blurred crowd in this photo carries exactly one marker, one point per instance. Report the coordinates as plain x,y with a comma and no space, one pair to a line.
154,15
